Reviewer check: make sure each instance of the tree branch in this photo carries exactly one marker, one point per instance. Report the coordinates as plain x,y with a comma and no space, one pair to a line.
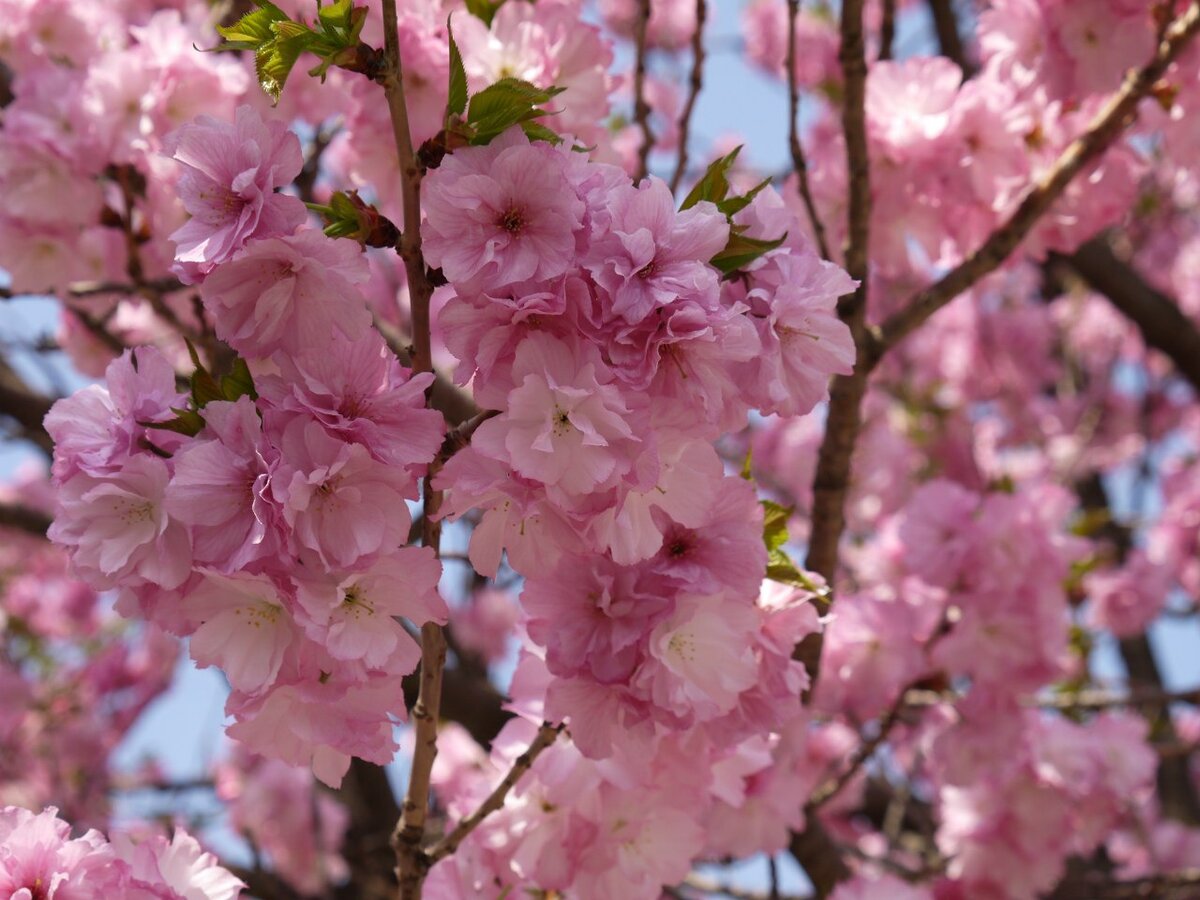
813,847
695,84
796,148
1103,131
546,736
1162,324
945,23
641,109
887,30
410,827
24,518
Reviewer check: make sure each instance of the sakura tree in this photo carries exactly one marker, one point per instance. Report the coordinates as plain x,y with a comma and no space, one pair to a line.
642,509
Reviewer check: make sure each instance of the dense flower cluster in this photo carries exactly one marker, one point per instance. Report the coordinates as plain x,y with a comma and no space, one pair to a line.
39,858
621,367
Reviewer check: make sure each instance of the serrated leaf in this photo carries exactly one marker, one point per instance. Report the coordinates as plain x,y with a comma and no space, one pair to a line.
275,61
253,29
536,131
742,250
775,519
780,568
714,185
336,16
508,102
731,206
456,103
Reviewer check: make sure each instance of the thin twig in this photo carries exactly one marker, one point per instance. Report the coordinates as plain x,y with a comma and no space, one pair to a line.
1074,700
546,736
641,109
866,750
799,160
695,85
1103,131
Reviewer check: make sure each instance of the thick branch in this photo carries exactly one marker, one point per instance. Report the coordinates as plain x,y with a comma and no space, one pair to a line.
27,408
641,109
796,148
410,828
1103,131
887,30
1163,325
695,84
24,518
1176,793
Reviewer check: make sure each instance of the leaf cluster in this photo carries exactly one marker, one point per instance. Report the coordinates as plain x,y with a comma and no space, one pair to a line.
205,388
277,41
714,188
477,120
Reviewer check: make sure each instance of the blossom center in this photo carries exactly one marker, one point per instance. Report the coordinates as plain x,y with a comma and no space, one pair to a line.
513,220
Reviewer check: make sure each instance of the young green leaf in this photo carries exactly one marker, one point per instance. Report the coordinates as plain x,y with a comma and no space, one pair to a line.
456,104
714,185
485,10
742,250
508,102
775,518
253,29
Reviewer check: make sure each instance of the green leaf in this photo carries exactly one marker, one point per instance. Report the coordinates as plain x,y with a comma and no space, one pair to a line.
731,206
253,29
781,568
239,382
484,10
508,102
536,131
747,466
456,104
714,186
336,17
742,250
775,519
186,421
275,61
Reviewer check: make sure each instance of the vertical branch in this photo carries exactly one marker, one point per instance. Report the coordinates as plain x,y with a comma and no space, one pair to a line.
641,109
694,86
799,162
887,30
945,23
412,862
846,393
813,848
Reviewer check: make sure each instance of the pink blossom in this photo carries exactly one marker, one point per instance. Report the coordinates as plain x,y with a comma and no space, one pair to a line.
501,214
341,503
288,293
361,394
242,625
117,526
355,615
230,173
222,489
566,424
651,254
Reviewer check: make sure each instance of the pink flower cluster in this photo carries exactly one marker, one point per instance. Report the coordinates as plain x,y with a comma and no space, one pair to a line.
274,538
585,311
39,859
